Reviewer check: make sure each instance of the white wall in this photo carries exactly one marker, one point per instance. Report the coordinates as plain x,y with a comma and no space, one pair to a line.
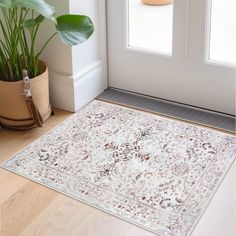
77,74
88,53
89,58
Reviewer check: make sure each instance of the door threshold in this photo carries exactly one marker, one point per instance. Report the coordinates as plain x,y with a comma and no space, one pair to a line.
184,112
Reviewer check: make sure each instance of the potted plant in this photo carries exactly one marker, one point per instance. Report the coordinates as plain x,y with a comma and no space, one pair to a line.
24,92
157,2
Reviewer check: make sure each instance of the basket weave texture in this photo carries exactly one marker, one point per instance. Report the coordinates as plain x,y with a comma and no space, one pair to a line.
14,112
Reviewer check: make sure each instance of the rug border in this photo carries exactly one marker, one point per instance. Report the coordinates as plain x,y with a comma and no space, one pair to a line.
82,201
182,120
119,217
221,179
211,197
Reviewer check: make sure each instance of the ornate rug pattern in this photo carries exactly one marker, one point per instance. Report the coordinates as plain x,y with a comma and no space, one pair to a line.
152,171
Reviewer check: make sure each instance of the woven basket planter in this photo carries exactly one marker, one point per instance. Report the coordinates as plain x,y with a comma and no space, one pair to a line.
14,112
157,2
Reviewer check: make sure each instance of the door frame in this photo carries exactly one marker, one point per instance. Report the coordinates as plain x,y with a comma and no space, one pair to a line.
183,36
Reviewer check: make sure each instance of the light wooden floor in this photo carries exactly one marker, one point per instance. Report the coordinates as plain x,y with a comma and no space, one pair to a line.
28,209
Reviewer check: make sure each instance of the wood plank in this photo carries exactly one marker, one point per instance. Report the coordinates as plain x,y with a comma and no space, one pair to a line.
65,216
57,218
10,185
19,210
12,141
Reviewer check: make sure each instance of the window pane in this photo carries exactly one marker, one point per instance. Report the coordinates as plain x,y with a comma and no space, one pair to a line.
150,26
223,31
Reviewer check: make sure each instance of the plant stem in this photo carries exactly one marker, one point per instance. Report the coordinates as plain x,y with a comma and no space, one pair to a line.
38,54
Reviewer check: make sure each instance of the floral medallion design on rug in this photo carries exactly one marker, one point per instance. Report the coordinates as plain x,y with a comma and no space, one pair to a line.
155,172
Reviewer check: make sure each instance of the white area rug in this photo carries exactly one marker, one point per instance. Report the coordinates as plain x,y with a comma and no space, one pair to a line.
152,171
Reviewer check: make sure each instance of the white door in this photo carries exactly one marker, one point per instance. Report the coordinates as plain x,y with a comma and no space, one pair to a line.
184,52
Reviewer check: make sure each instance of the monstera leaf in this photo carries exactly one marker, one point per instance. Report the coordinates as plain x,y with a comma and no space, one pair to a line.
74,29
40,6
19,45
5,3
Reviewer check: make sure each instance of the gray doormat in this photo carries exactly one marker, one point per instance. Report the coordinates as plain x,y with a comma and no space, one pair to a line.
187,113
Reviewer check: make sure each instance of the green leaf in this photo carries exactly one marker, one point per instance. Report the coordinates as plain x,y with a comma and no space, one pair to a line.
5,3
28,24
40,6
74,29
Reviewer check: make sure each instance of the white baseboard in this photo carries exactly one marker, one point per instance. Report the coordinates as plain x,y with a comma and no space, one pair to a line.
61,91
71,93
89,84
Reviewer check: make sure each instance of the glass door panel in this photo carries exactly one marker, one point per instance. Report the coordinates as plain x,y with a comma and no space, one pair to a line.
222,40
150,27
